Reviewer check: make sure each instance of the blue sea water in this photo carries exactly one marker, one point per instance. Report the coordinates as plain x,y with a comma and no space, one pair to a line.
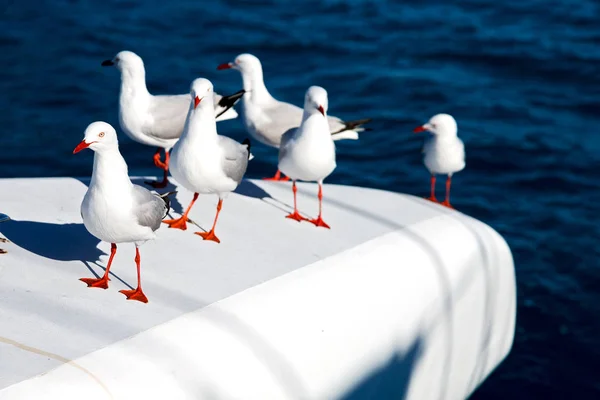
521,78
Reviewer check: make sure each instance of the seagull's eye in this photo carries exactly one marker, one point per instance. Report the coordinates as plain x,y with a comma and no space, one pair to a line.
117,60
433,126
101,134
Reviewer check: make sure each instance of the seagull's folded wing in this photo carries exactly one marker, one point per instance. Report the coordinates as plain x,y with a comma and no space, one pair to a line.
168,116
149,208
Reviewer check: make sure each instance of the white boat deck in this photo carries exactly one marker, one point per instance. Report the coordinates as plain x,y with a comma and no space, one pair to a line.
279,309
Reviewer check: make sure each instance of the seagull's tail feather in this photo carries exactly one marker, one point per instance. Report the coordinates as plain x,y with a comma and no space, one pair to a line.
165,197
248,145
351,129
227,102
356,125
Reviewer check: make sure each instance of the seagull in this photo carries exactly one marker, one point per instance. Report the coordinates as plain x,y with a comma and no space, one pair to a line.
308,152
267,119
204,161
156,120
115,210
444,151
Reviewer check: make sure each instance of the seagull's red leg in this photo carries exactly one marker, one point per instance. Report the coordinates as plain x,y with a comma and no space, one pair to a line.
137,293
295,215
432,197
319,220
447,201
211,234
278,177
102,282
180,223
157,161
164,166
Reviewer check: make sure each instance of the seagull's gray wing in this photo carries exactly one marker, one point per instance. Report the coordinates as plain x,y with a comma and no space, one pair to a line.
149,208
279,117
285,116
335,124
286,138
282,111
168,116
235,158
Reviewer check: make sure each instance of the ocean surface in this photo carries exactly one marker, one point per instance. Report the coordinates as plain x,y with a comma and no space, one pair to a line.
521,77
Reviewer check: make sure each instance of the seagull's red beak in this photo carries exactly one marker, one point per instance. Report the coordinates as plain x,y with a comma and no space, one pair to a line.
419,129
321,110
225,66
81,146
197,101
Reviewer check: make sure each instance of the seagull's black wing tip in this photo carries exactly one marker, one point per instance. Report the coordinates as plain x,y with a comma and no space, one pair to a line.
229,101
247,143
165,197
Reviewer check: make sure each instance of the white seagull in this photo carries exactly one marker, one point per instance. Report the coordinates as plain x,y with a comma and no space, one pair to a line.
204,161
267,119
156,120
308,152
115,210
444,151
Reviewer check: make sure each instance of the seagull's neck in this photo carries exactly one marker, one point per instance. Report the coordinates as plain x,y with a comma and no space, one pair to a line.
314,125
133,83
306,115
110,170
446,137
200,124
313,116
254,86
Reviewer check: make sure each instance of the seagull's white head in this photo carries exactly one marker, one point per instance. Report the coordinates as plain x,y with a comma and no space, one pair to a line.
245,63
316,100
202,93
126,61
440,125
98,136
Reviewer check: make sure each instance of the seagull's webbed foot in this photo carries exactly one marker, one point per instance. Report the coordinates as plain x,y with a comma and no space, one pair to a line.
179,223
136,294
101,283
208,236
